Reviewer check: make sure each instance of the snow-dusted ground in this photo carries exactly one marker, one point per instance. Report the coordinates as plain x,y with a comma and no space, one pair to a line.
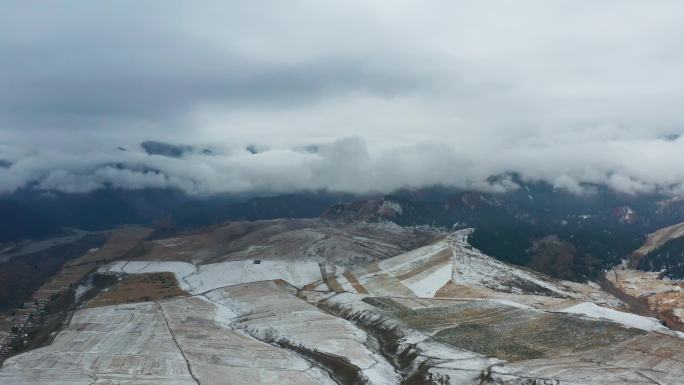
83,288
645,359
115,344
408,261
447,364
476,269
203,278
177,342
421,272
242,326
426,285
347,244
209,277
272,313
652,359
593,310
424,271
219,352
180,269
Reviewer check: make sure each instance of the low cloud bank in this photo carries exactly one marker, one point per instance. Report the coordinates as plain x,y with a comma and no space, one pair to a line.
350,165
359,95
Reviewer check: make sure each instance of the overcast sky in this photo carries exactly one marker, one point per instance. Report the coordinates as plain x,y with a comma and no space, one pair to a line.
392,93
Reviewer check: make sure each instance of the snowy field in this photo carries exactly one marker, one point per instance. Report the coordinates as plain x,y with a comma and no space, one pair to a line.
105,345
423,272
204,278
246,323
273,313
593,310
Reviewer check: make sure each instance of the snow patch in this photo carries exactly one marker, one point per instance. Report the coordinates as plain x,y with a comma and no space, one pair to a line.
427,286
392,206
296,273
593,310
82,289
204,278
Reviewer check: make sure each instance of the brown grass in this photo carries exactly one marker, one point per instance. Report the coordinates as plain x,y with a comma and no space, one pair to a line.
452,290
661,296
439,258
120,242
355,282
333,284
140,288
657,239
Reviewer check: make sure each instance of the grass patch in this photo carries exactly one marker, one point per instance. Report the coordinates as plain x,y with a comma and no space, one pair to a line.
139,288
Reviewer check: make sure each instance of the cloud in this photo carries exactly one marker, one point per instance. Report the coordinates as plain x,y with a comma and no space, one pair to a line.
391,94
349,165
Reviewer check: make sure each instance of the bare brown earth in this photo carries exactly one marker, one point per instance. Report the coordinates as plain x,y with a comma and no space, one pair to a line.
661,298
439,259
120,242
452,290
352,244
634,305
140,288
355,282
331,282
664,297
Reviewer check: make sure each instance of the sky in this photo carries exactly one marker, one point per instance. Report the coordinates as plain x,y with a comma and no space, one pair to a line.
356,96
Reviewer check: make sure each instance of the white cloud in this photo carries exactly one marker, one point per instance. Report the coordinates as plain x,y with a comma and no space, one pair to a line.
401,93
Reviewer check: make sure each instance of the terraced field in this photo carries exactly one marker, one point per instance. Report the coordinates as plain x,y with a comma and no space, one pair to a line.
441,314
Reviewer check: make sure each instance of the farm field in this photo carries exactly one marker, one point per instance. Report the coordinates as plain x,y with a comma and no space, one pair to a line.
441,313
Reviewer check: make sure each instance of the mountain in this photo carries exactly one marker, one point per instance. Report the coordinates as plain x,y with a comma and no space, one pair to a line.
18,221
332,302
591,232
667,259
34,214
204,212
100,209
565,235
165,149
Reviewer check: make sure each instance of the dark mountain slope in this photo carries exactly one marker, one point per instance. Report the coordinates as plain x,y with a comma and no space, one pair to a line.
18,221
590,232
